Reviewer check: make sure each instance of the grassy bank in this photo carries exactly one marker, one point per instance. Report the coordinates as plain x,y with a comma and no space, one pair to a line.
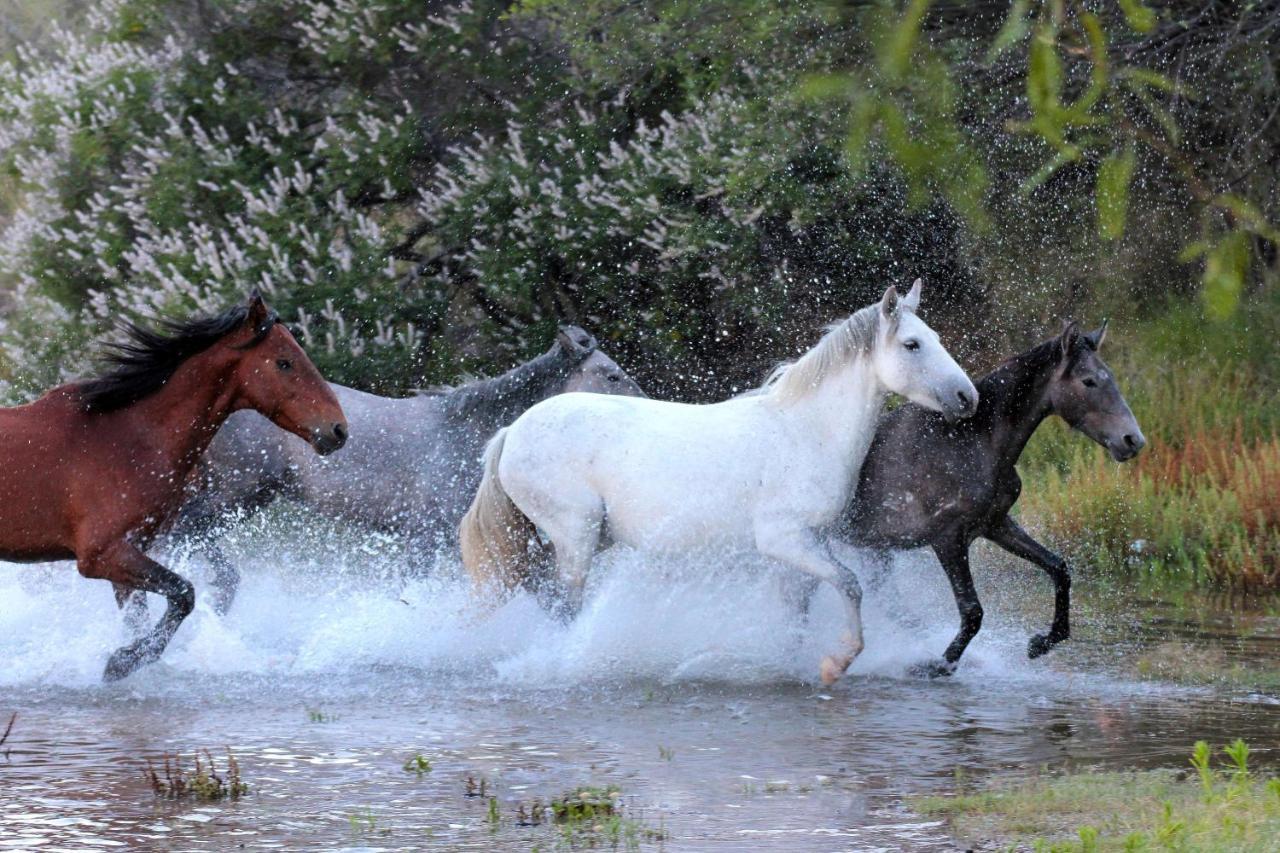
1219,808
1201,505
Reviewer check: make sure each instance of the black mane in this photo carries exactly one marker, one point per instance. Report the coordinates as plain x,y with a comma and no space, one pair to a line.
142,364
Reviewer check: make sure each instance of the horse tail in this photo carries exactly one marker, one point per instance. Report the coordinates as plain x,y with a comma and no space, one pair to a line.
500,546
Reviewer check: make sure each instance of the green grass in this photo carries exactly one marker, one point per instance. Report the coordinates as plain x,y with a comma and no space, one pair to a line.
1224,809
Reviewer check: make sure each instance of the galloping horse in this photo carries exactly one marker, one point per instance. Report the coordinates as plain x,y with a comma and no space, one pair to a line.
411,467
93,470
768,471
928,482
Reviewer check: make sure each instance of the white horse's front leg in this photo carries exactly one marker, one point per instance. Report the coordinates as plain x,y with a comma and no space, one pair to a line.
801,549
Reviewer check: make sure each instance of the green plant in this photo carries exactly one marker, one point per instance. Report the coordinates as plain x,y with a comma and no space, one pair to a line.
203,783
418,764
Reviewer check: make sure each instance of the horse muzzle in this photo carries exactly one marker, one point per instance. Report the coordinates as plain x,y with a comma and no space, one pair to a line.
962,404
327,439
1127,446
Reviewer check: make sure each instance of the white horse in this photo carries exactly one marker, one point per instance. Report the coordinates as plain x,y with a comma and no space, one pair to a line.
770,470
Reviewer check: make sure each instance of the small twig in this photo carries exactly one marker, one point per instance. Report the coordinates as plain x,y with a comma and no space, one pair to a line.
4,737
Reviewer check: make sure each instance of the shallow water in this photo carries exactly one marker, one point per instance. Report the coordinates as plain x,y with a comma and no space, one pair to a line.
691,690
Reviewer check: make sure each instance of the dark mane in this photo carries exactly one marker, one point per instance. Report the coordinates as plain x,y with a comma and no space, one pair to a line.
1025,365
143,363
516,390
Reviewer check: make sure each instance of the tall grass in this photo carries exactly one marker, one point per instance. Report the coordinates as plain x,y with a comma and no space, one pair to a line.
1202,503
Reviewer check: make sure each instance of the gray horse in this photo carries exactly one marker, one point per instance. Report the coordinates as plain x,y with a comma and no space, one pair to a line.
411,465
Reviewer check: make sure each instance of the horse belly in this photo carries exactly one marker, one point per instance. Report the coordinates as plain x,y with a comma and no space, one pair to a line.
669,520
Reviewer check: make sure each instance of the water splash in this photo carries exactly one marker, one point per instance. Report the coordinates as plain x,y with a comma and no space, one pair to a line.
305,610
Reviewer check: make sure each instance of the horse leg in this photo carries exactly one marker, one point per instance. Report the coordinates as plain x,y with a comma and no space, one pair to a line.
199,520
124,565
801,550
134,605
954,556
800,593
575,544
224,580
1010,536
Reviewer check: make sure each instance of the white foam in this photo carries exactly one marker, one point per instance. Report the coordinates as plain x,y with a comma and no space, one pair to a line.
307,610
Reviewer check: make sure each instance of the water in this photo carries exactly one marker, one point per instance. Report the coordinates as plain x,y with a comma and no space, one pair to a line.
691,690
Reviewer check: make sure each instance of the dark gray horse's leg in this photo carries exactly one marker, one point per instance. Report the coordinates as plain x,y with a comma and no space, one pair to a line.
224,578
954,556
134,604
1011,537
199,521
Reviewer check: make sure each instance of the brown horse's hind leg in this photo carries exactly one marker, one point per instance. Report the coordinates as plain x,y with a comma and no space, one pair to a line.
124,565
1011,537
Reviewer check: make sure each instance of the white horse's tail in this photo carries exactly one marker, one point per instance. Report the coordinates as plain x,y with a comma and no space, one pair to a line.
500,545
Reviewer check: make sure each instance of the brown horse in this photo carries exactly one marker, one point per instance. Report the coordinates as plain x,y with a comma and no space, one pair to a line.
93,470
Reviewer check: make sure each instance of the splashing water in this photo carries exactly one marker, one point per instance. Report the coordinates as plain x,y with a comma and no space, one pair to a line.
712,618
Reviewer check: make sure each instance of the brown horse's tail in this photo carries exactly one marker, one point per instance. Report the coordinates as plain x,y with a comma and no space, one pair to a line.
500,545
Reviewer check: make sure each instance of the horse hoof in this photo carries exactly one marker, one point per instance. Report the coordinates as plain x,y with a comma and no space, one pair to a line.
832,669
931,669
121,664
1040,644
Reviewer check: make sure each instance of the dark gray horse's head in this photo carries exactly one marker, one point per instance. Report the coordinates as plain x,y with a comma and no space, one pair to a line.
1084,393
593,371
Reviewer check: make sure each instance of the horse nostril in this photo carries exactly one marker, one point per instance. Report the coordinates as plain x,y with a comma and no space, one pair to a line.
964,400
340,432
1133,442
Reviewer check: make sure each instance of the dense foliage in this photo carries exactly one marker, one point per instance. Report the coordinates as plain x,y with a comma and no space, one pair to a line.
423,187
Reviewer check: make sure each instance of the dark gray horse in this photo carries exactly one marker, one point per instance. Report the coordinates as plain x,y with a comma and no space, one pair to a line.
927,482
411,465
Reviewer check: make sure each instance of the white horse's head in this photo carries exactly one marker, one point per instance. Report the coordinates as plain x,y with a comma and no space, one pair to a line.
910,360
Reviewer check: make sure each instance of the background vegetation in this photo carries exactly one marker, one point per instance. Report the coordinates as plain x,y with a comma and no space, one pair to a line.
426,188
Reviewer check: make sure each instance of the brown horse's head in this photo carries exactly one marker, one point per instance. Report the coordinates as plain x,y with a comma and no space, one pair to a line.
274,376
1085,395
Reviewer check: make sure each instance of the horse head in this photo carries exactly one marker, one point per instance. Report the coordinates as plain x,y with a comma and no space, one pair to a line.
1084,393
275,377
592,371
910,360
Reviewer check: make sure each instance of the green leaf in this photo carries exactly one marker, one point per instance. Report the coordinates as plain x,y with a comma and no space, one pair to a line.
1013,30
1067,155
825,87
1138,16
1114,176
862,121
1044,72
896,52
1225,267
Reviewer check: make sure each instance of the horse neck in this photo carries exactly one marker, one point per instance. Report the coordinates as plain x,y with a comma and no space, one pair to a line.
1014,400
841,411
496,402
185,414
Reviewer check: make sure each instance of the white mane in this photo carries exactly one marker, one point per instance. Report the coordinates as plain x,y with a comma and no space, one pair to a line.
843,342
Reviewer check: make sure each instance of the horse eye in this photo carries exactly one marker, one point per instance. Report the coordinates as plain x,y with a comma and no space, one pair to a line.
284,364
912,346
1090,382
613,377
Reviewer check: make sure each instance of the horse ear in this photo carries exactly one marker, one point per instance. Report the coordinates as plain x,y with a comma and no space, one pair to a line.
1095,338
575,341
1070,336
889,303
258,310
912,299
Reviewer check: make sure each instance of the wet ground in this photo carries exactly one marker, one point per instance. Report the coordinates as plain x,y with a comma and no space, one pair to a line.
693,692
